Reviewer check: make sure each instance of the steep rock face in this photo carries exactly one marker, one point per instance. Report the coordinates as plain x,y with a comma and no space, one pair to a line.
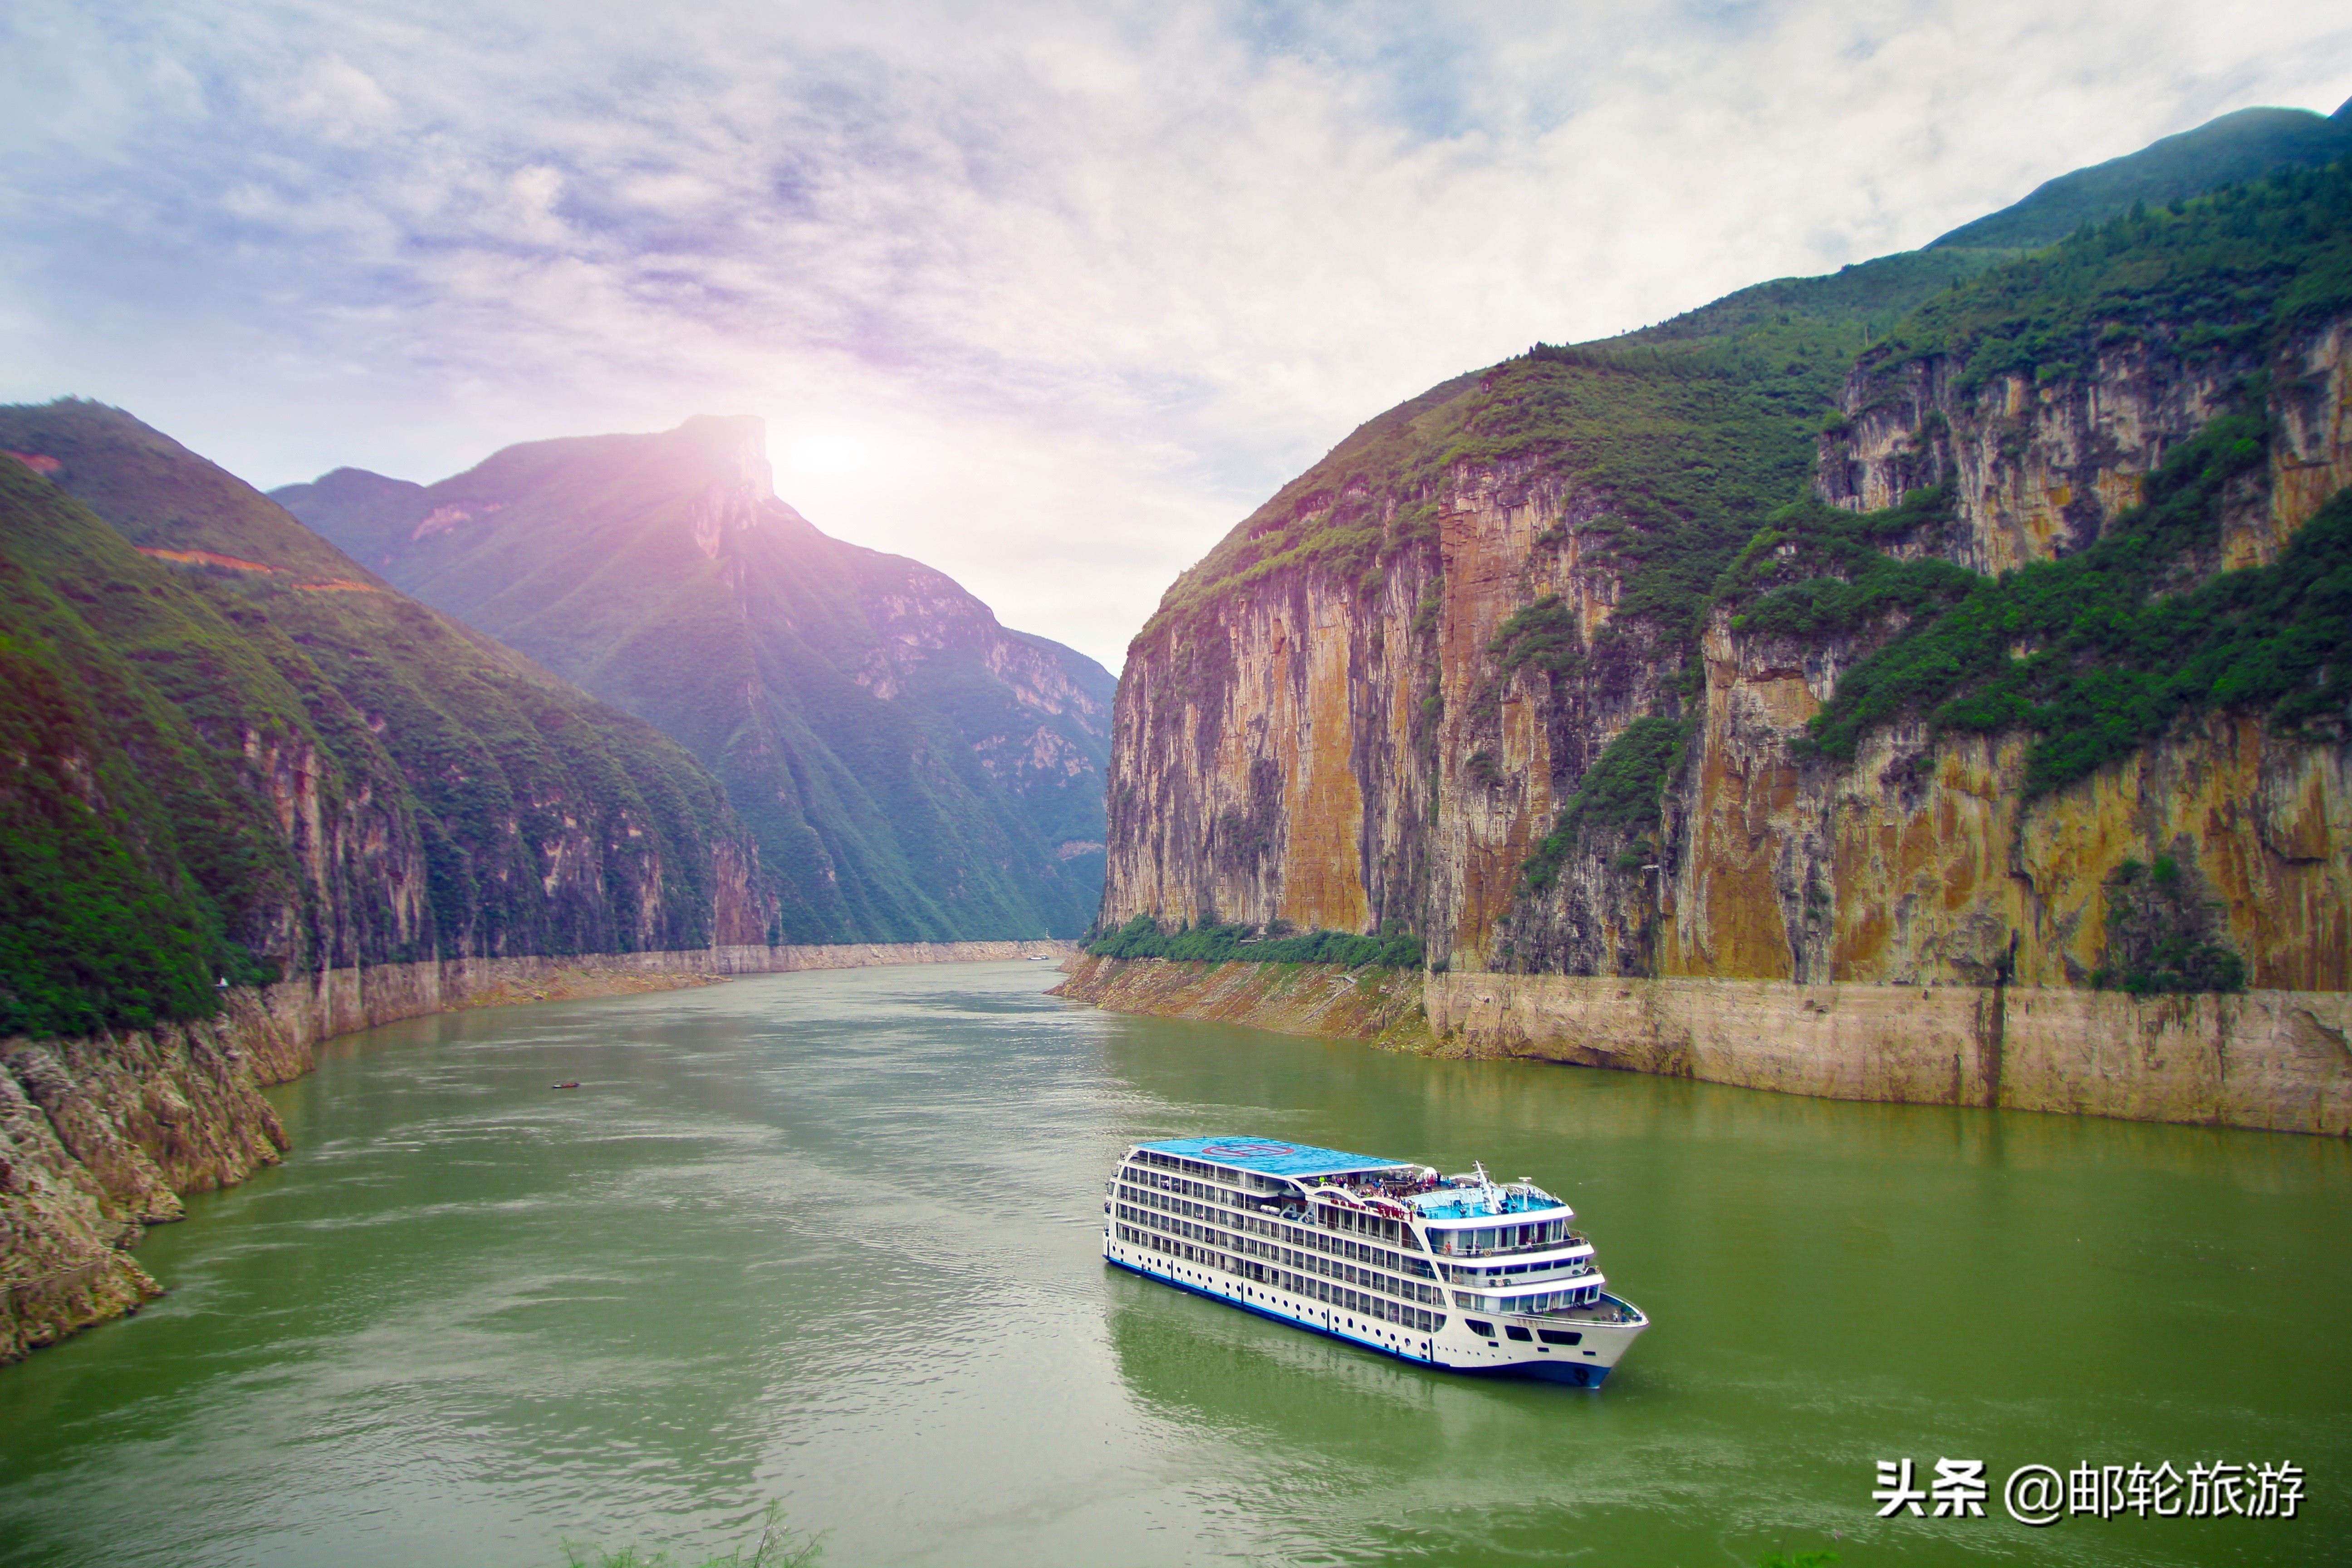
910,768
1925,862
2039,468
1389,695
236,751
1334,755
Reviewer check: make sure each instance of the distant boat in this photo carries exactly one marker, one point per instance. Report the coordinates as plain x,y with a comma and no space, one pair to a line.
569,1083
1383,1253
1041,958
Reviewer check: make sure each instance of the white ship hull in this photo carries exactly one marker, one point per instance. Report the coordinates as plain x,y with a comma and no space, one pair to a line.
1453,1348
1409,1305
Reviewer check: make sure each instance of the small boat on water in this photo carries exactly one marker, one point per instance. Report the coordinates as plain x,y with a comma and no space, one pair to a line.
1460,1272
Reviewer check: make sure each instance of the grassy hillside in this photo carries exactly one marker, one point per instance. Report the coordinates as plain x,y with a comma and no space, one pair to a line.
244,756
912,769
133,872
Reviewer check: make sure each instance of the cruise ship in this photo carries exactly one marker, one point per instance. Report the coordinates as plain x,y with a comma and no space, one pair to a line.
1460,1272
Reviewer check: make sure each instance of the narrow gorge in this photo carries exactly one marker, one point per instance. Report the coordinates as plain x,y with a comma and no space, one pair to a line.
1717,701
253,797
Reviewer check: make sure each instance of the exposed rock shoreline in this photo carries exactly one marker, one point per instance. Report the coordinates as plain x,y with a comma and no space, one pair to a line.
2276,1060
100,1138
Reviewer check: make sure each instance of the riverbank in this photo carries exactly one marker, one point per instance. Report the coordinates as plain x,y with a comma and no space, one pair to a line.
2275,1060
101,1136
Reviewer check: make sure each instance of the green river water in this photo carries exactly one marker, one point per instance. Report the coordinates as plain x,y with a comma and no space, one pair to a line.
833,1238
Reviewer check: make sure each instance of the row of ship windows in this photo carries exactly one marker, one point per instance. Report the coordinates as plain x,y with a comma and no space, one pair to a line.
1549,1336
1287,1257
1498,1238
1338,1218
1418,1319
1541,1301
1412,1290
1293,1235
1194,1167
1524,1273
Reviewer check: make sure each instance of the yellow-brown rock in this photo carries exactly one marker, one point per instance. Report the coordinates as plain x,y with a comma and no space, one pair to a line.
1344,745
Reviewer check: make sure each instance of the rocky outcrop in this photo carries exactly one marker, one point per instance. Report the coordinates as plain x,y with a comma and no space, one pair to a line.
100,1138
2039,469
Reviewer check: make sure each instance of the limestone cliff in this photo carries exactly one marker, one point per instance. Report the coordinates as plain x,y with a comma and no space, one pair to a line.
1488,670
1924,860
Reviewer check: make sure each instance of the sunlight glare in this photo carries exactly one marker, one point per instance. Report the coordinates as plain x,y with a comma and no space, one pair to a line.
823,453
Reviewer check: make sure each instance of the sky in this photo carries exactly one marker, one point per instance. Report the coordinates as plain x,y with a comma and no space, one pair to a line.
1047,296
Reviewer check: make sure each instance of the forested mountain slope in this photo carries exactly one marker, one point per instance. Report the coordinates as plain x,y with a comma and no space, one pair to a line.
231,753
912,769
1970,614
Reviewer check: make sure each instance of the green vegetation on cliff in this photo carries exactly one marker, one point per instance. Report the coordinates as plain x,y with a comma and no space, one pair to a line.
1843,577
2096,653
2160,935
1623,788
2091,654
1688,435
2218,277
1393,948
253,760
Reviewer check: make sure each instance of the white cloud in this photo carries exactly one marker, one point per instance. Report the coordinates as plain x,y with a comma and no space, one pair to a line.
340,101
1088,280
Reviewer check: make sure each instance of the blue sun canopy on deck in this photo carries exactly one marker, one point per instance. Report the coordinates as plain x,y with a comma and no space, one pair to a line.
1270,1156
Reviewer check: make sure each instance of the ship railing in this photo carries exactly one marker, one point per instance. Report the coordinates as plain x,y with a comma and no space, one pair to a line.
1569,1238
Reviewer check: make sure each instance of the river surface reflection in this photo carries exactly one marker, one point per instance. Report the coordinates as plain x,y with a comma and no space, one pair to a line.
833,1238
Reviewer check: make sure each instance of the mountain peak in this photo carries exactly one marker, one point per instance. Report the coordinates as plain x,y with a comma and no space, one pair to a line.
739,442
910,768
2235,147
